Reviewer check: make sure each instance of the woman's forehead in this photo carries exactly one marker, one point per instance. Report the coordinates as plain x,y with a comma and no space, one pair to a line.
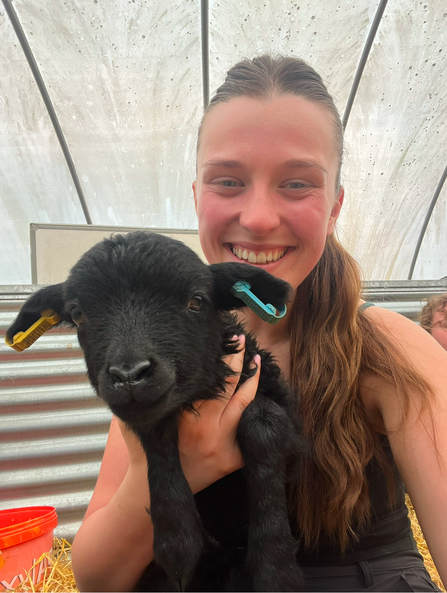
284,124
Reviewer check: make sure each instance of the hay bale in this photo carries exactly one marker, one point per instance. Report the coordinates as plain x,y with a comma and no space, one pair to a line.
422,546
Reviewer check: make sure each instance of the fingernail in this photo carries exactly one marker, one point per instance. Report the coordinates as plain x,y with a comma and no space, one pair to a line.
257,360
241,339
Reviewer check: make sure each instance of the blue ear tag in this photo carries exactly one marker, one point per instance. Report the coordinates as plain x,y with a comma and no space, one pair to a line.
266,312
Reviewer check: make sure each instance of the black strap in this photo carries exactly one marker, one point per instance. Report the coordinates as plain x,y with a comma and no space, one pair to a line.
368,574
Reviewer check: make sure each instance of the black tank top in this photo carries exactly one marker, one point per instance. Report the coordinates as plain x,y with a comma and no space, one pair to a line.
388,530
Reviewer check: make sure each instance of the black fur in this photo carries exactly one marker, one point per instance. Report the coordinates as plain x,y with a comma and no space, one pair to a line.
154,327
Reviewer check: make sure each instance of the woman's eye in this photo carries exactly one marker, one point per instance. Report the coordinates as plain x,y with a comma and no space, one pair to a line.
77,316
195,303
229,183
295,185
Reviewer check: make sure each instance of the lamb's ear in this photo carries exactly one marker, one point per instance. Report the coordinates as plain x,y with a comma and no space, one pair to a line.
50,297
266,287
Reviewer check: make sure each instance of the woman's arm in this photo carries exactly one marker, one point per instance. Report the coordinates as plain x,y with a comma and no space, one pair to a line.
114,543
419,440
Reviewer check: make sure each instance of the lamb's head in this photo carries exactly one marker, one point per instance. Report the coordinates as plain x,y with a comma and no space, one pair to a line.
151,321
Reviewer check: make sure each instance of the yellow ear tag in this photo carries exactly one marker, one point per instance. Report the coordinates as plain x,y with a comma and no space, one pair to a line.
23,340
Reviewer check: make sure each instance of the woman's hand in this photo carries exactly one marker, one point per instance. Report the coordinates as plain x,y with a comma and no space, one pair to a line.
207,442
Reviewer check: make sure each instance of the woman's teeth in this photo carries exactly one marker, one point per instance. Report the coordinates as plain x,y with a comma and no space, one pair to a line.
260,258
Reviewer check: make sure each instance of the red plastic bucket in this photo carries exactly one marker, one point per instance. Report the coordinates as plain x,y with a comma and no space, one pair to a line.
25,534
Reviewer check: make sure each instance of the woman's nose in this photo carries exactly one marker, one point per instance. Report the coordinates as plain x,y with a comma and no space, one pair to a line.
260,212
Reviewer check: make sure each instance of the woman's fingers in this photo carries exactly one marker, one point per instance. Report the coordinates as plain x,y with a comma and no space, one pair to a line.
207,441
223,414
235,362
241,398
213,408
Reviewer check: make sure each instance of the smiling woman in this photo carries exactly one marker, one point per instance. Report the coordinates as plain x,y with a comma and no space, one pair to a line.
371,386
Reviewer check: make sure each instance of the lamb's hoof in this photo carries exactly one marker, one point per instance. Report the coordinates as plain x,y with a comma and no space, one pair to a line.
181,585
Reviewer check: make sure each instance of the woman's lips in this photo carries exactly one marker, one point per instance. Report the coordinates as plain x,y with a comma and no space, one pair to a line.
257,256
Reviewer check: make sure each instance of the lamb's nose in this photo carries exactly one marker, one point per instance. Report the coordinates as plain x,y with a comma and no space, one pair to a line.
126,374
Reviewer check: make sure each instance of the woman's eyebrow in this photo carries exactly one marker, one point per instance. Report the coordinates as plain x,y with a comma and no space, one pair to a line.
223,163
292,163
304,164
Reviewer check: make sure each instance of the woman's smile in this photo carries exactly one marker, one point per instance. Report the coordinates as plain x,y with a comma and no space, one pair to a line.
257,254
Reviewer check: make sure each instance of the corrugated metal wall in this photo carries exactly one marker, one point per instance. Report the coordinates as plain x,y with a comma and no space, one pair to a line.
53,428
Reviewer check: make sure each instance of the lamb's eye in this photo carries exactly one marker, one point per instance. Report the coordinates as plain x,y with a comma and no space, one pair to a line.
195,303
77,315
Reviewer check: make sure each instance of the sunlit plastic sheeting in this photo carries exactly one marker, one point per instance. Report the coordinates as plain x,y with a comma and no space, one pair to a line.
396,142
432,263
35,183
125,79
328,35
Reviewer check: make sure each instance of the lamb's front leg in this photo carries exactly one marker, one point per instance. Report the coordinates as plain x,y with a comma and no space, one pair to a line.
178,531
265,436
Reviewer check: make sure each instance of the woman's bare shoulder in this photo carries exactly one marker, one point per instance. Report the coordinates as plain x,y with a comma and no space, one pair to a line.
417,342
416,346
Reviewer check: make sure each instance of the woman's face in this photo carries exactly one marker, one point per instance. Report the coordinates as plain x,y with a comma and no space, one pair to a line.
265,188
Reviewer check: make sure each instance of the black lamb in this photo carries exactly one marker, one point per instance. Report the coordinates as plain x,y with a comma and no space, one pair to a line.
154,323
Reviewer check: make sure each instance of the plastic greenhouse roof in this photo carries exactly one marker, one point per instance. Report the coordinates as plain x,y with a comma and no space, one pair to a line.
114,141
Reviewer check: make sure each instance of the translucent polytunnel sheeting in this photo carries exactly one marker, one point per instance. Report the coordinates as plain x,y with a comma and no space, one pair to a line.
431,262
34,179
125,80
328,35
396,142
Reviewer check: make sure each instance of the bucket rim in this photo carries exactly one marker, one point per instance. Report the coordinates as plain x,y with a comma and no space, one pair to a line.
42,520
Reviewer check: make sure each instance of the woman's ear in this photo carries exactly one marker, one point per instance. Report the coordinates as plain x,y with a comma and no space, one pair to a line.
194,188
335,211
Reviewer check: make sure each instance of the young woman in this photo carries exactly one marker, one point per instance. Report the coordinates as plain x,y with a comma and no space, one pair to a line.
373,384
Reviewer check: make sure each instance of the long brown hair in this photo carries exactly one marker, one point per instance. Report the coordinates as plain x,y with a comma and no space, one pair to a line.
332,343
